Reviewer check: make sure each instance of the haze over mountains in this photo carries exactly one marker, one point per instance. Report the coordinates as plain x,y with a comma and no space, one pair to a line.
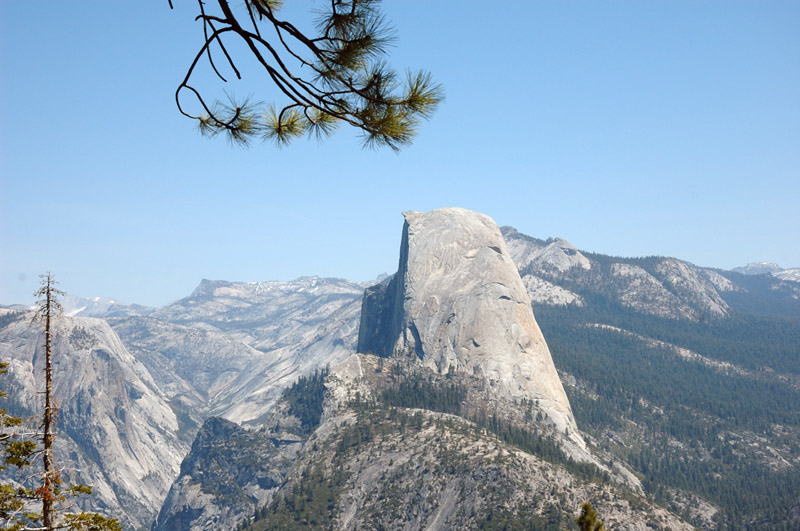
768,268
682,383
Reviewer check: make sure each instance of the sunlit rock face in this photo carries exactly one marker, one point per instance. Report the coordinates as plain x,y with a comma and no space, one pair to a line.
457,303
115,429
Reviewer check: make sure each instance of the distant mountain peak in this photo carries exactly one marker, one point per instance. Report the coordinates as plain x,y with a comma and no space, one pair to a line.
758,268
769,268
100,307
556,254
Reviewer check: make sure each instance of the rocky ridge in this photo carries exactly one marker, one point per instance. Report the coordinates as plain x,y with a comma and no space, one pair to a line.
370,466
768,268
100,307
758,268
238,344
665,287
204,353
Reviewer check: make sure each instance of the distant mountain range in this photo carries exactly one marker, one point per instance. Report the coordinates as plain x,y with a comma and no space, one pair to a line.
136,382
685,380
768,268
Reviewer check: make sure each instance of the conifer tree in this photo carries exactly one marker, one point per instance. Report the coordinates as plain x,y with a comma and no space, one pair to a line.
336,75
589,520
48,308
16,451
19,503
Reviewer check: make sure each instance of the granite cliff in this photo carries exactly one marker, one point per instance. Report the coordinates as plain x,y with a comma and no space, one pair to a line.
457,303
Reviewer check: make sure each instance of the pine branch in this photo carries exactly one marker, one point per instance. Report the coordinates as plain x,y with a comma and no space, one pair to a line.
350,81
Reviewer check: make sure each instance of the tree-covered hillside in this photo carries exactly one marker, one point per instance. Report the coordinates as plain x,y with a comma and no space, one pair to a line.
708,409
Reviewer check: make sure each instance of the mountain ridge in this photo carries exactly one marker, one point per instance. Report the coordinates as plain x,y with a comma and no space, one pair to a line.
267,334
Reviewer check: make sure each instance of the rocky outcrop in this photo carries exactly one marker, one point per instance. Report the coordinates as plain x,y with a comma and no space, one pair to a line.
643,292
228,473
457,303
671,288
686,281
543,292
768,268
554,254
370,465
758,268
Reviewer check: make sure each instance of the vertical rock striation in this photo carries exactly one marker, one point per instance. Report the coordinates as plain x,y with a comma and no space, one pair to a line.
457,303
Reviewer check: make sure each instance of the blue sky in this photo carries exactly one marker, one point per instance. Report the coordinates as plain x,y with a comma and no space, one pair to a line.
626,127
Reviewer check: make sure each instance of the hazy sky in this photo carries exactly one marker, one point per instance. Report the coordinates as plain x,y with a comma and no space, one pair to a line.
626,127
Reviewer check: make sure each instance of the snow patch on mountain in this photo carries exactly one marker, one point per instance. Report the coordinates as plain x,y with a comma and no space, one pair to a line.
768,268
792,275
100,307
758,268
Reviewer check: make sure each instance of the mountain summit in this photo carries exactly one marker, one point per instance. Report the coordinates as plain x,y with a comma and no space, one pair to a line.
457,302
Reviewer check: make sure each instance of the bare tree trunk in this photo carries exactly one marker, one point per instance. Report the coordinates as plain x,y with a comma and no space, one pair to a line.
47,498
48,307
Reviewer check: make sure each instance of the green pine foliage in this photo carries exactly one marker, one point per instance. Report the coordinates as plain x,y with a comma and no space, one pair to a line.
335,73
589,520
532,442
696,423
417,392
311,504
520,519
305,398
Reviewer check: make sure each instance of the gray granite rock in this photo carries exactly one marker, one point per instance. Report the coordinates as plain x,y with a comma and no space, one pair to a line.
115,430
229,472
457,303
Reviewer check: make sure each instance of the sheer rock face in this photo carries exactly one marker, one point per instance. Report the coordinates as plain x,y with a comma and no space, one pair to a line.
457,303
